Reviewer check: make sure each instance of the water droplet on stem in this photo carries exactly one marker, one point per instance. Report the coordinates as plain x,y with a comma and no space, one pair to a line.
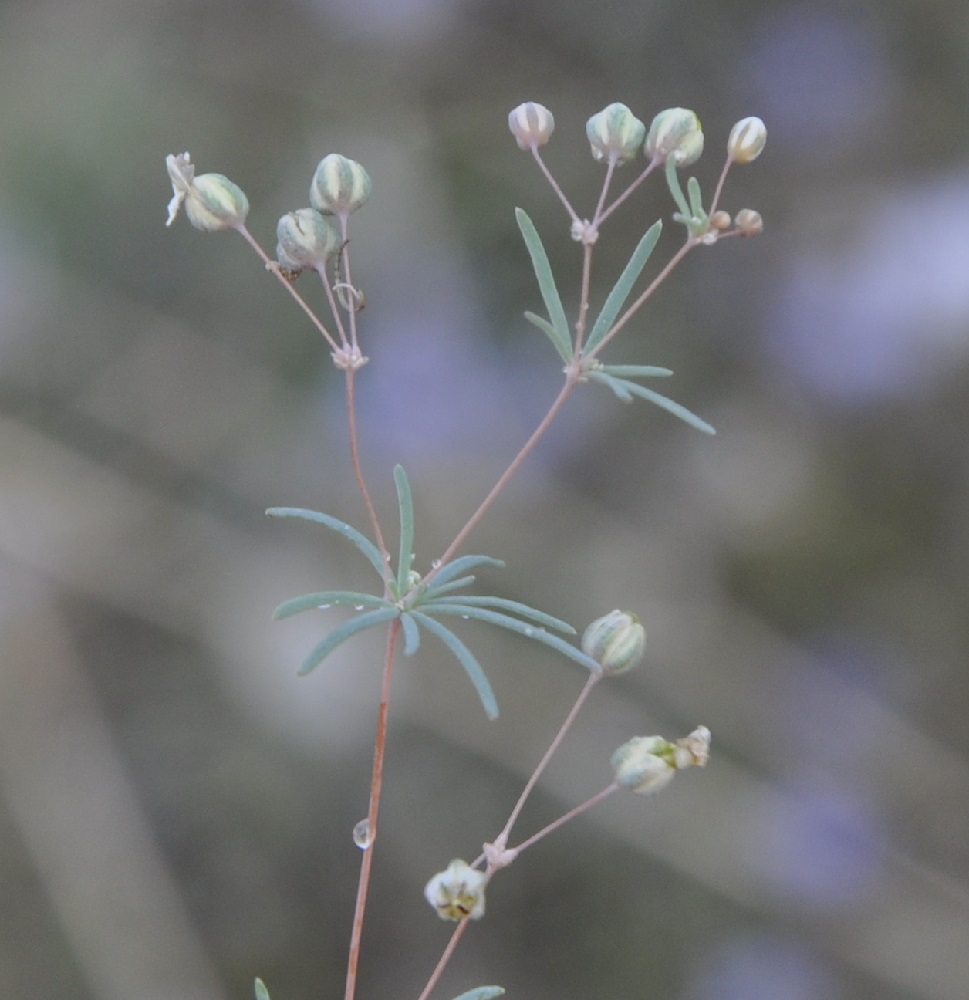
361,834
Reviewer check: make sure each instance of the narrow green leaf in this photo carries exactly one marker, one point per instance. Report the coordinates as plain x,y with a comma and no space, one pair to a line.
434,591
696,199
673,183
561,344
406,505
466,658
361,541
524,610
618,385
325,599
620,292
636,371
546,282
482,993
339,635
461,565
670,406
412,634
514,625
263,994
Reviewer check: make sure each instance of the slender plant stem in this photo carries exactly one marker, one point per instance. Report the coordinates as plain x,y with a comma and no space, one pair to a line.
571,814
334,308
376,784
555,185
584,298
641,301
629,190
536,435
593,679
610,170
358,470
720,183
288,285
444,959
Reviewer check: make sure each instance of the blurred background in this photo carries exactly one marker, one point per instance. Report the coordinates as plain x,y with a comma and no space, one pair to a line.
176,805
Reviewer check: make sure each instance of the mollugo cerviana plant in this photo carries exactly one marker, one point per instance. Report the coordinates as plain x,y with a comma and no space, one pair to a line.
409,603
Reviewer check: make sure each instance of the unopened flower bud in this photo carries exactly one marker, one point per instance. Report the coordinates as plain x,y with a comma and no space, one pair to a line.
676,132
211,201
747,140
306,239
615,134
339,186
749,222
720,220
531,124
643,764
457,892
617,642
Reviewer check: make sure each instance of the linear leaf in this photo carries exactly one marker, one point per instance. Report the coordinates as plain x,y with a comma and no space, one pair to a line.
466,658
546,282
361,541
339,635
482,993
636,371
435,591
620,292
325,598
561,344
473,601
412,634
673,183
406,504
514,625
461,565
618,385
671,406
696,199
263,994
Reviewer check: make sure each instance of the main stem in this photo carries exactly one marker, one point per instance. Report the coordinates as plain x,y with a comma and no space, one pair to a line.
376,783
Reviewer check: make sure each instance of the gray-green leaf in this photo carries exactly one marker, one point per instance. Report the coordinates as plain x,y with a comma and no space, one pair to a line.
343,632
461,565
326,598
361,541
465,610
406,505
465,657
561,344
482,993
549,621
636,371
412,634
620,292
546,282
625,389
